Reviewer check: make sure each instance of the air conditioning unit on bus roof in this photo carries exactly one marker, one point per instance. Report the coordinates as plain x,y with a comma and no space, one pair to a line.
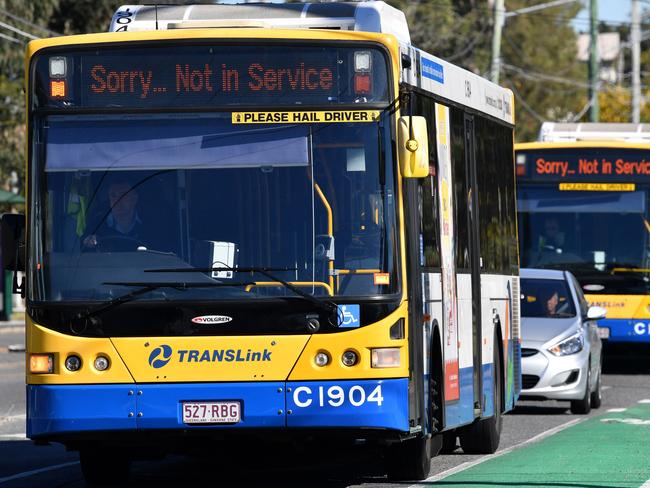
594,131
370,16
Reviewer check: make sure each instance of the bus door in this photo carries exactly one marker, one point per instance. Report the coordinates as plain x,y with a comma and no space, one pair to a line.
474,260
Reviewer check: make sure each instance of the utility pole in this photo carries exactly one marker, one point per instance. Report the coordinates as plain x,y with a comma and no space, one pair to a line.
594,111
499,20
636,62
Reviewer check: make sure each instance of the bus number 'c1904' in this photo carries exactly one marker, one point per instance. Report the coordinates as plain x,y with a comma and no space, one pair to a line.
336,396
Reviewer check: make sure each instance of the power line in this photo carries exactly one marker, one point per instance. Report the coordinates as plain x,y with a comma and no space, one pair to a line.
542,77
9,38
527,107
17,31
27,22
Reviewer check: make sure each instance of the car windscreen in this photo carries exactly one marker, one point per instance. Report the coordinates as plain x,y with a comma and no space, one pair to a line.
548,298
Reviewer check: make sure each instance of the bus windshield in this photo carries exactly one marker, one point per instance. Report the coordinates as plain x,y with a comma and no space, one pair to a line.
120,195
601,237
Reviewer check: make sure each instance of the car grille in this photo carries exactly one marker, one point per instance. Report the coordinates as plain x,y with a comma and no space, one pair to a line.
526,353
529,381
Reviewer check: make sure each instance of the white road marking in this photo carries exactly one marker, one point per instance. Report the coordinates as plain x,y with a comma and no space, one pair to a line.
470,464
626,421
605,388
645,400
617,410
27,474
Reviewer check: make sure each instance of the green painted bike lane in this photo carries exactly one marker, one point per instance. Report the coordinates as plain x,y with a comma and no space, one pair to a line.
611,450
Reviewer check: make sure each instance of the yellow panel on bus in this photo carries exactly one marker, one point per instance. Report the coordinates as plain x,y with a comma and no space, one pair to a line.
362,341
206,359
622,306
44,341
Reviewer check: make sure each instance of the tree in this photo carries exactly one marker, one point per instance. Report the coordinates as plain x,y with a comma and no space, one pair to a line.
12,108
457,31
538,50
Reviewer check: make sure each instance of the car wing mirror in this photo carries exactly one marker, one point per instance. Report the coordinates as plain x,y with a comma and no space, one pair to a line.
596,313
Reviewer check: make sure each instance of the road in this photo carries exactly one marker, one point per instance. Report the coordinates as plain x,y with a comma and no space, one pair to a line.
542,444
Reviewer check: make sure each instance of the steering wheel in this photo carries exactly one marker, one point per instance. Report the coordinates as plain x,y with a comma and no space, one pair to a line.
117,243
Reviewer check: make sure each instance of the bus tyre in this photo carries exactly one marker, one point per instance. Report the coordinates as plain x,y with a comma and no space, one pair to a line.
596,395
410,460
483,436
583,406
102,468
449,442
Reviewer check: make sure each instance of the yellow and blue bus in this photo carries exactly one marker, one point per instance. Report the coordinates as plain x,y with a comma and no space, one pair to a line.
272,221
584,199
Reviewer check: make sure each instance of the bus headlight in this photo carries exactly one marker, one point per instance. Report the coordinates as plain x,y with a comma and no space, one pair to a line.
41,363
385,357
321,359
72,363
349,358
101,363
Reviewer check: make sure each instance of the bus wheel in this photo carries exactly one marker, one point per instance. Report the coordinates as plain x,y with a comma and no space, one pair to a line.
483,436
410,460
449,442
102,468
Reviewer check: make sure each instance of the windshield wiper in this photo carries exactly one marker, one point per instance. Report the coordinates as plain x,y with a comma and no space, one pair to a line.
146,287
325,305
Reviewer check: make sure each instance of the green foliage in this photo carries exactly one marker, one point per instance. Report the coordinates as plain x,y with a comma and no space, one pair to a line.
12,108
84,16
534,48
543,46
457,31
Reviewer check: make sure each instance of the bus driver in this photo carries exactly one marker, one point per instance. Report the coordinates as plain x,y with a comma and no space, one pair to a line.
122,226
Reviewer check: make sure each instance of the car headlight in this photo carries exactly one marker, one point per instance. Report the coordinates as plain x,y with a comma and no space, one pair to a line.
568,346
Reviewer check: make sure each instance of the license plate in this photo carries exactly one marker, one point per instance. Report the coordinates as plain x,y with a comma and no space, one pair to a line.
603,332
211,412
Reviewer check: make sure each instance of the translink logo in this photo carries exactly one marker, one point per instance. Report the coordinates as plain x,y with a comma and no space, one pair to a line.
161,355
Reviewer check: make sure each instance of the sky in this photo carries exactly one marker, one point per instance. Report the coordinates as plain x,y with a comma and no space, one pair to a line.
608,10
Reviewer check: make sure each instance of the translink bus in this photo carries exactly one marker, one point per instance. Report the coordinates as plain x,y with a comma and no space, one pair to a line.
584,205
276,221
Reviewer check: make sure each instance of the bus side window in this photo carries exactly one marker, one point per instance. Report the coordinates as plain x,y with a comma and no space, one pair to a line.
429,224
427,192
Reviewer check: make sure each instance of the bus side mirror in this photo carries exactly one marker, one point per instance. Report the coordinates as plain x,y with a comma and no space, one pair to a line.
12,233
413,147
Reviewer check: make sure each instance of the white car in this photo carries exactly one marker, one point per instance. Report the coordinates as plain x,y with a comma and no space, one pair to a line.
561,349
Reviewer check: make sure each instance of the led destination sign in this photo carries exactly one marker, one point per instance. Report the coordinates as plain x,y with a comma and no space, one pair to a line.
586,165
211,76
109,78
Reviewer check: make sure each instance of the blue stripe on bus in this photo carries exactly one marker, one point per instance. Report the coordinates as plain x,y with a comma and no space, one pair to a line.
78,408
488,385
357,403
59,409
461,412
627,330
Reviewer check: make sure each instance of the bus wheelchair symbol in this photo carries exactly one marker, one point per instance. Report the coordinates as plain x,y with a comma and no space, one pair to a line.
348,316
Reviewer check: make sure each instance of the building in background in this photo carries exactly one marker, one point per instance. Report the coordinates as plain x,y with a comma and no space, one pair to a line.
610,53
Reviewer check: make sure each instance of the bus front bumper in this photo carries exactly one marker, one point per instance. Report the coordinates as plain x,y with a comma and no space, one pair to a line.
625,330
55,410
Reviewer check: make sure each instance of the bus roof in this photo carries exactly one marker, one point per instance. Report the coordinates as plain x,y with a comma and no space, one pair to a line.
372,16
594,131
418,68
